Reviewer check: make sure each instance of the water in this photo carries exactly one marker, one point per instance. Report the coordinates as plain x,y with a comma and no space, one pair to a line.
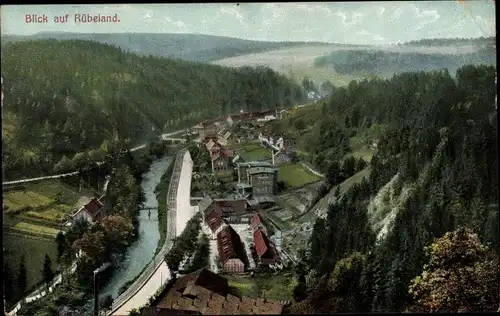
142,251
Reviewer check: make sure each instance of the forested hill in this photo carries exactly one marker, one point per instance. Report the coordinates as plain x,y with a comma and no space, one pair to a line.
192,47
452,41
385,63
64,97
435,170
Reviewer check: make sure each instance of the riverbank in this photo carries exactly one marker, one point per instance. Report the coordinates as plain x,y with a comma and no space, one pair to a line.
161,192
141,252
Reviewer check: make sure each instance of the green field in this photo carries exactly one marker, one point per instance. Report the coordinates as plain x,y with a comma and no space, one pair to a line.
295,175
34,250
274,287
253,152
50,200
24,227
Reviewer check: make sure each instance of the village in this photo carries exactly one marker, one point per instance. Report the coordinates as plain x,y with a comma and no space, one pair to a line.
239,179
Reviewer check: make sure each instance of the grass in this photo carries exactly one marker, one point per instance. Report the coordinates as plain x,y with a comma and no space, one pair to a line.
34,251
50,200
224,176
18,200
253,152
295,175
274,287
35,229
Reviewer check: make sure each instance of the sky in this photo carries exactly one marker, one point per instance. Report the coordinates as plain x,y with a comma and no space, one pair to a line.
339,22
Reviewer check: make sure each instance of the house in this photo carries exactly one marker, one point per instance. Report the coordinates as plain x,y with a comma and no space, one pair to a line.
207,129
263,180
221,159
257,178
281,114
231,251
234,210
216,212
213,145
256,223
241,168
90,212
210,294
266,251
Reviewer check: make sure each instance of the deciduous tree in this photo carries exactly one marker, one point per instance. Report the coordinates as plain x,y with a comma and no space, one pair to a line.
462,275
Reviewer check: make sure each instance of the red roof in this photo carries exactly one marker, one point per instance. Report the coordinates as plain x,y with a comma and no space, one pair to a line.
255,221
213,217
260,241
265,249
227,152
229,245
93,207
239,206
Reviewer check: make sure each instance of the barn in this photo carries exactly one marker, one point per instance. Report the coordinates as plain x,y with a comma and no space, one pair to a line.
231,251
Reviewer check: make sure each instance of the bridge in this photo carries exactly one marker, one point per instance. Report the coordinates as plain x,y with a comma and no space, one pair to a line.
147,208
157,271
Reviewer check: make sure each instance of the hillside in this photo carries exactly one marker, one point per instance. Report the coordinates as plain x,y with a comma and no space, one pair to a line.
300,62
434,171
191,47
387,63
66,97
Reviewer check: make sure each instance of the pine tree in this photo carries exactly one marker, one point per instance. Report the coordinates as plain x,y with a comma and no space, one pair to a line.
47,272
61,245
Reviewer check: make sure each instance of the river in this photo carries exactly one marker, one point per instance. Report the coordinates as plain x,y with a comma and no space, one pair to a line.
142,251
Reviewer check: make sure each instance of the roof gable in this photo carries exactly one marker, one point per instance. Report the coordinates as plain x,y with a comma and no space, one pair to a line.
229,245
261,243
93,207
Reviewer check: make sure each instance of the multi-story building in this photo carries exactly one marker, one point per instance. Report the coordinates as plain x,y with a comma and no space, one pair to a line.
232,253
257,178
265,249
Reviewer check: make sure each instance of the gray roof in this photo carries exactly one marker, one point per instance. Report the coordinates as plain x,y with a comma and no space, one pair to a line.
205,203
260,199
255,170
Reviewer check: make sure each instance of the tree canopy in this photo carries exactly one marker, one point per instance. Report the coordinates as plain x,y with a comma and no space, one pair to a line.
66,97
435,170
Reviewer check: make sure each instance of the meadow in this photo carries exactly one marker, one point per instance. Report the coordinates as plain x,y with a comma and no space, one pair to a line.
296,175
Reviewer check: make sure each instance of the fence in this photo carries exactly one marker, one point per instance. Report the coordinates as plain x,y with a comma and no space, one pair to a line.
41,291
171,233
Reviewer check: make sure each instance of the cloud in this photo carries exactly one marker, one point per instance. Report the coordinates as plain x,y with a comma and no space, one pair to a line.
487,27
356,18
395,15
380,12
148,15
424,17
180,25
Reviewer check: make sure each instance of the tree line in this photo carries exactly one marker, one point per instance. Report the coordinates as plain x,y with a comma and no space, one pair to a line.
437,155
66,97
385,63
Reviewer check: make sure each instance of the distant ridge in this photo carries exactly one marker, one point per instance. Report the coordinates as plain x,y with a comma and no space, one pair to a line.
191,47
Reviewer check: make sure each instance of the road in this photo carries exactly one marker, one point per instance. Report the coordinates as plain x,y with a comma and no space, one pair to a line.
57,176
40,291
138,294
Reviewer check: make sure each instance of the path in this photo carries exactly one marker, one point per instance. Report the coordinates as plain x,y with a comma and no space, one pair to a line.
181,211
